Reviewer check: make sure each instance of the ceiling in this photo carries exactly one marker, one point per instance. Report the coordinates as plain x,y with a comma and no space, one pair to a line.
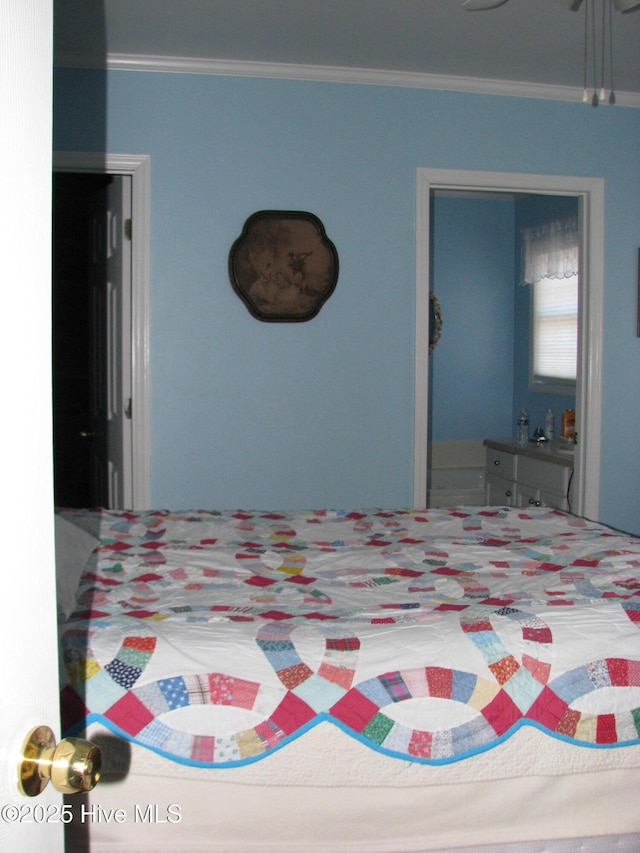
530,47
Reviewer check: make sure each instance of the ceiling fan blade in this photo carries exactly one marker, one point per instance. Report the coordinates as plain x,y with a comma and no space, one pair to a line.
625,5
620,5
479,5
572,5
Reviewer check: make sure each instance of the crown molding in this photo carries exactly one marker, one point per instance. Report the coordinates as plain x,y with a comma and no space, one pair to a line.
336,74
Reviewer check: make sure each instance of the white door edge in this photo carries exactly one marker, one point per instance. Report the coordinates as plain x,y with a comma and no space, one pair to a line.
138,166
590,192
28,635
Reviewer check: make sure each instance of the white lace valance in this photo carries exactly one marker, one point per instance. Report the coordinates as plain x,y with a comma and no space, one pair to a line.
550,250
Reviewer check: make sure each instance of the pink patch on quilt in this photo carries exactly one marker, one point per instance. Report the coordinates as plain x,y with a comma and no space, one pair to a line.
538,669
502,712
420,744
339,675
291,714
130,714
226,690
355,710
548,709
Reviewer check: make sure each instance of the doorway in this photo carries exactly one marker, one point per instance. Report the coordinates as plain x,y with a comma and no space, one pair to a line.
90,171
589,193
75,483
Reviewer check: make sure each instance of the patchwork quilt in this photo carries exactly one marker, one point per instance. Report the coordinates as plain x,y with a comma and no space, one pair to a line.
214,638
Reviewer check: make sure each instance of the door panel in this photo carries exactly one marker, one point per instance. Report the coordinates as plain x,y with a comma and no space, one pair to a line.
110,286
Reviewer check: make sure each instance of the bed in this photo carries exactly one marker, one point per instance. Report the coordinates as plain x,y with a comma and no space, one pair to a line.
375,680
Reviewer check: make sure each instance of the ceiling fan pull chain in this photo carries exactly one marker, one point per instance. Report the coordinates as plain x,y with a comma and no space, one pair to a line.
594,59
602,94
585,94
612,93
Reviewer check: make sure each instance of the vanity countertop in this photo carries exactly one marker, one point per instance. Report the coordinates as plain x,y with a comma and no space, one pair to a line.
559,451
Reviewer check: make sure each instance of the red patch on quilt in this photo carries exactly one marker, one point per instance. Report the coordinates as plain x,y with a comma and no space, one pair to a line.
291,714
606,729
276,615
420,744
140,614
257,580
440,681
141,644
618,671
130,714
89,614
403,573
355,710
317,615
537,635
502,712
548,709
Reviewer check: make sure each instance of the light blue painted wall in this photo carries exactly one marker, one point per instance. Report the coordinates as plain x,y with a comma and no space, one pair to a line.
245,413
472,276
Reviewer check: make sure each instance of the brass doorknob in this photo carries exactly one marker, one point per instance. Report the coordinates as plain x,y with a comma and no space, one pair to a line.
72,766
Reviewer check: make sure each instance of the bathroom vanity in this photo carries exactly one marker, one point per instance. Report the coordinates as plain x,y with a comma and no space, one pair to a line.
529,475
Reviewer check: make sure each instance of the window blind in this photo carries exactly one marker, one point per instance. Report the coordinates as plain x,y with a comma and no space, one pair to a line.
555,328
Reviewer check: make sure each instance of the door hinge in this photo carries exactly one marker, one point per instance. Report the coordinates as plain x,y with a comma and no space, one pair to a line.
128,229
127,411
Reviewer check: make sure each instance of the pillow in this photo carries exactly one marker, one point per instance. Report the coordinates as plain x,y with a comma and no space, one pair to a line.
74,546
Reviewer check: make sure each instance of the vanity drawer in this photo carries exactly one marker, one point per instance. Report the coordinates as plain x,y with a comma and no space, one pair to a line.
501,464
543,475
498,491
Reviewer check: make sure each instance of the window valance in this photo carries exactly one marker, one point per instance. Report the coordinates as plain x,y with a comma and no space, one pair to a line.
550,250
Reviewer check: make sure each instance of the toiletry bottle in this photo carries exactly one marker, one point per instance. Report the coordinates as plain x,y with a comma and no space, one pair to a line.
549,426
522,429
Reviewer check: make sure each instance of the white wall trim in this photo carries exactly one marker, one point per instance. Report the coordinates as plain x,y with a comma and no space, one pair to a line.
138,166
590,192
335,74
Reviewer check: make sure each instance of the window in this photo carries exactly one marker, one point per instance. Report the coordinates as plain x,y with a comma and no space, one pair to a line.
550,265
554,333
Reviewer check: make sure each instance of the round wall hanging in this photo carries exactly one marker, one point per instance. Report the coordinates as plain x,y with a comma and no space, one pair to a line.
283,266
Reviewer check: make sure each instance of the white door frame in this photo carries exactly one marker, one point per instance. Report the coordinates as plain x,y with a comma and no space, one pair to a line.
28,632
590,193
138,166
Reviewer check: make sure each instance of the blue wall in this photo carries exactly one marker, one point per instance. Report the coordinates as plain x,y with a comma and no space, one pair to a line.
480,369
321,413
471,393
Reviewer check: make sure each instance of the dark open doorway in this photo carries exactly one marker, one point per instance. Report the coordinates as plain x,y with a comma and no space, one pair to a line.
72,389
